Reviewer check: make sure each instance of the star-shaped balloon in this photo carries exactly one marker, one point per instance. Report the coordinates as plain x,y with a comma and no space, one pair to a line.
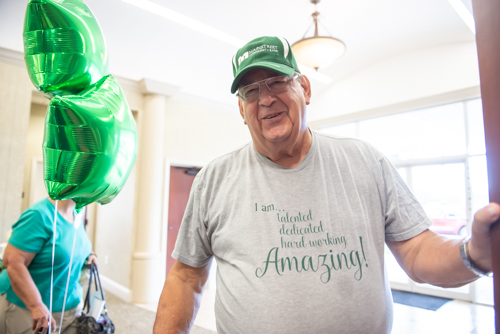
64,47
90,144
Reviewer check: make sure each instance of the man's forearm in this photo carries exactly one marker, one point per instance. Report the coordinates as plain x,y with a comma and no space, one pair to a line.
438,262
437,259
180,299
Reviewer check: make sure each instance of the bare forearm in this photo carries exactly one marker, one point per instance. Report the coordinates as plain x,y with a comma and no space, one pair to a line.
23,285
438,262
435,259
179,303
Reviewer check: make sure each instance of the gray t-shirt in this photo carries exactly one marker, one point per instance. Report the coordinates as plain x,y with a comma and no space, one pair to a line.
300,250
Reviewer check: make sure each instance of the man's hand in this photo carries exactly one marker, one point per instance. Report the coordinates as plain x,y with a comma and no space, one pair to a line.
480,242
40,315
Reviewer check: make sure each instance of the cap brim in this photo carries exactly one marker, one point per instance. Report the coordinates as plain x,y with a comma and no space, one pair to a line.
279,68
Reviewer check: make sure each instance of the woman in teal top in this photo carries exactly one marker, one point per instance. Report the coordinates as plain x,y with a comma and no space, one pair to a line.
28,260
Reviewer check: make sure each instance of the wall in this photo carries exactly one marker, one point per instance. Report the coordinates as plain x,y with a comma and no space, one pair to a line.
113,229
197,134
15,101
34,142
405,77
113,240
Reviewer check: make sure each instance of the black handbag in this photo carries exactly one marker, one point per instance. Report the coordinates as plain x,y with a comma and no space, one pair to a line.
85,323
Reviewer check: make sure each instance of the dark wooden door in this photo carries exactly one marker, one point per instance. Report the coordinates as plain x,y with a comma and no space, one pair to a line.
486,15
181,180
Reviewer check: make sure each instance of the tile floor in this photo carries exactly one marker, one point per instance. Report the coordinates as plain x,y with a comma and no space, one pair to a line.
132,319
455,317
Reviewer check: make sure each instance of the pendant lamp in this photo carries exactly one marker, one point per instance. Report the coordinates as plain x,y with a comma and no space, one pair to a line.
317,51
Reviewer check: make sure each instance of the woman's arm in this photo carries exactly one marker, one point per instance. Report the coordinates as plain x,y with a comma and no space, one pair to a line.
16,263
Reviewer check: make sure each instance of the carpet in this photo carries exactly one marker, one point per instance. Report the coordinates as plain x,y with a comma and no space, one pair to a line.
417,300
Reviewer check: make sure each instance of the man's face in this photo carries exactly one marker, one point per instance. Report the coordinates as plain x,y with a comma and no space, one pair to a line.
275,118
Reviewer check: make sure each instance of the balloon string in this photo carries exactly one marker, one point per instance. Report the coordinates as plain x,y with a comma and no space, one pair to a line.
69,273
52,269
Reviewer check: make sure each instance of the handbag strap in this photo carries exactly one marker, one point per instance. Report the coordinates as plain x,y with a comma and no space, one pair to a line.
86,304
99,280
93,278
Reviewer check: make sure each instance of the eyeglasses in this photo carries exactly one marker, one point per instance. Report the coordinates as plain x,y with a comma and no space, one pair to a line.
276,85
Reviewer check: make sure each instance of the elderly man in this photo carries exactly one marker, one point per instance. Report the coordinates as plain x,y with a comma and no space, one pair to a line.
297,222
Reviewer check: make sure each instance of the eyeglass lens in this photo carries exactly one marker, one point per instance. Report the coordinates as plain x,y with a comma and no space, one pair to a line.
276,85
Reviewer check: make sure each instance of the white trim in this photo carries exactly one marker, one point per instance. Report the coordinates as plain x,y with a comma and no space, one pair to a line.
166,192
285,46
12,57
150,86
430,161
207,103
426,102
128,84
118,290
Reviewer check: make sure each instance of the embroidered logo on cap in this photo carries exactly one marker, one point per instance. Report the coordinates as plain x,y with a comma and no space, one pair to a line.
243,57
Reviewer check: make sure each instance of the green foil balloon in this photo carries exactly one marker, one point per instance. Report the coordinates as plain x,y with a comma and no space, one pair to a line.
64,48
90,144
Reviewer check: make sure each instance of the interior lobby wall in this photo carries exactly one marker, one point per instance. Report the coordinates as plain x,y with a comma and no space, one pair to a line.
15,104
33,147
196,134
405,77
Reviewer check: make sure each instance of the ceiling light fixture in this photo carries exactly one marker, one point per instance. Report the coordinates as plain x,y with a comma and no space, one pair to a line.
317,51
464,14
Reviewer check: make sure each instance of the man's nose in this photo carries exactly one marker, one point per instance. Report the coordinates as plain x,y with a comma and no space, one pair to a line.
265,95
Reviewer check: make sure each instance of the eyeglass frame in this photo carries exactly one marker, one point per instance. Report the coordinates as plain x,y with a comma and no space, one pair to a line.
293,77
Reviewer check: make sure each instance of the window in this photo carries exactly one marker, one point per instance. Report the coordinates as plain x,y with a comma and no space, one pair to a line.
440,153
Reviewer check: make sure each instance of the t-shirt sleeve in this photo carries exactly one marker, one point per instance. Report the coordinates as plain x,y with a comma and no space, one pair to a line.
404,216
29,233
193,246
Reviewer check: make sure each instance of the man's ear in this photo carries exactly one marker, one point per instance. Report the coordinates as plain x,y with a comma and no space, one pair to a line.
306,86
242,113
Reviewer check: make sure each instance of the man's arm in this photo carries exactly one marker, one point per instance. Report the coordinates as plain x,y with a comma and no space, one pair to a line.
180,298
435,259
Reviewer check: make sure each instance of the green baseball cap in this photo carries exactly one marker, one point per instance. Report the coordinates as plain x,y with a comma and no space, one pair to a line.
273,53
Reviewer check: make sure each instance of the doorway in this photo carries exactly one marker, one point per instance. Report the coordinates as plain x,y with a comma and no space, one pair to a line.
181,180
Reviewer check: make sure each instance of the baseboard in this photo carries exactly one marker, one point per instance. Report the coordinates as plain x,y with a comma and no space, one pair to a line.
118,290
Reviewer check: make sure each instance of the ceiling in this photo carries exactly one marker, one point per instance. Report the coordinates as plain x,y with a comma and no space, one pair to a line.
145,45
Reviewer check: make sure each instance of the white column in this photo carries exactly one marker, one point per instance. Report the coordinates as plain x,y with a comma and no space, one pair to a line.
15,105
147,275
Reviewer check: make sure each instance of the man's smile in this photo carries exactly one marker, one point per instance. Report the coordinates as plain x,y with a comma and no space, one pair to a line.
273,115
